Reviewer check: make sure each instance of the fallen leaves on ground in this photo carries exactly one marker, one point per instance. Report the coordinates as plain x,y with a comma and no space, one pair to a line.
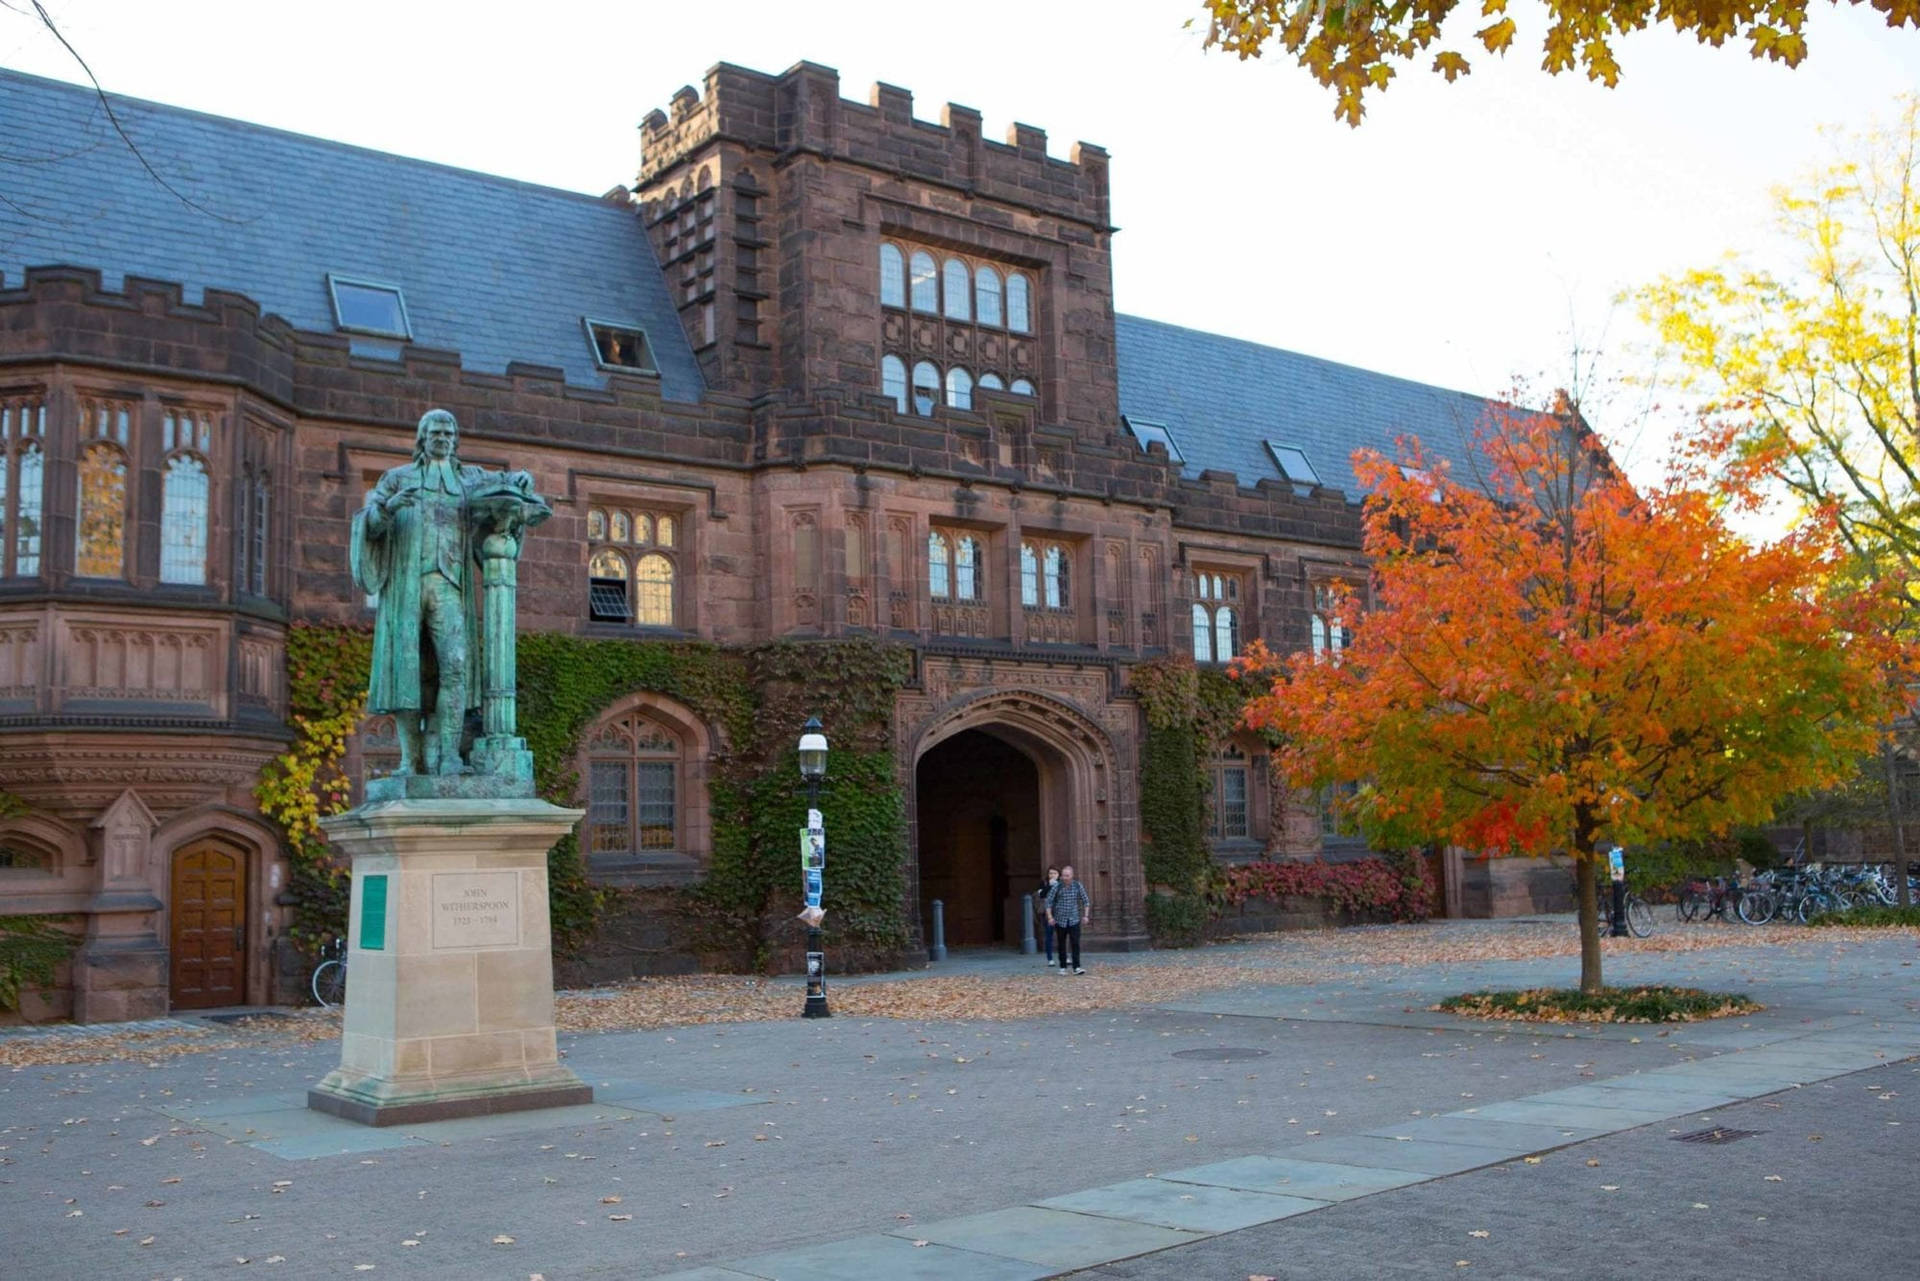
1293,957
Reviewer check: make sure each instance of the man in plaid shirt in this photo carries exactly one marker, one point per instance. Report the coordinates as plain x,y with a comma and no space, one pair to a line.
1068,908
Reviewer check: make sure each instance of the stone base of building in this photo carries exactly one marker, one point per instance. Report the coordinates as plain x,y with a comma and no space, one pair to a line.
449,1007
1496,887
113,983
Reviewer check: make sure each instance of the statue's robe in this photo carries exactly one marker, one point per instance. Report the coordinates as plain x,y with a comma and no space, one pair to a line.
390,565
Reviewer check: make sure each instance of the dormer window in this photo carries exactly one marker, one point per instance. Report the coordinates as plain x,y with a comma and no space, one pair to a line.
1149,432
1293,465
617,346
368,307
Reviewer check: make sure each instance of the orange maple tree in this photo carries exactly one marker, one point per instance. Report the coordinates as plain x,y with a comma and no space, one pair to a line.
1554,660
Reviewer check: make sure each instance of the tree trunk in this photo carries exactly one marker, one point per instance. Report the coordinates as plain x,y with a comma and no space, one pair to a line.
1585,882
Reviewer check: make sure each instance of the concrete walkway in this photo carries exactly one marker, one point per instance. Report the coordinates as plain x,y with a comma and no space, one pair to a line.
1810,1037
1117,1140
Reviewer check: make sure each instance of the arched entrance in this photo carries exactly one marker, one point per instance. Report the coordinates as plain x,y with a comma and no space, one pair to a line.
980,835
1049,774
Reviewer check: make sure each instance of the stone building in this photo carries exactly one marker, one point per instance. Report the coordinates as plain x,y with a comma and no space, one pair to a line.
826,370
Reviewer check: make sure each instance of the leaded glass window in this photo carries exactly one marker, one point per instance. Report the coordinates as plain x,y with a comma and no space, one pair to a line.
966,568
893,276
924,285
926,387
986,296
654,579
959,388
1054,575
632,566
939,567
893,382
1227,818
633,788
1019,318
954,285
23,425
186,437
100,544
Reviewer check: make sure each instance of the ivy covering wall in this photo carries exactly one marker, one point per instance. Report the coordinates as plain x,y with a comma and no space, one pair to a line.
753,702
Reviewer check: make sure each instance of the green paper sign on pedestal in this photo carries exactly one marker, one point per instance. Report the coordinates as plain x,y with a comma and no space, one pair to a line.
373,913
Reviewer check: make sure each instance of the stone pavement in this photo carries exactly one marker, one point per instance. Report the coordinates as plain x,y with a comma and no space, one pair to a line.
1213,1129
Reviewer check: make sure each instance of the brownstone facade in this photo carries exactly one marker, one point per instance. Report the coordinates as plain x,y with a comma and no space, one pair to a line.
800,496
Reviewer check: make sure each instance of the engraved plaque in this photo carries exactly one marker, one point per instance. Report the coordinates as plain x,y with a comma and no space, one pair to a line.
476,909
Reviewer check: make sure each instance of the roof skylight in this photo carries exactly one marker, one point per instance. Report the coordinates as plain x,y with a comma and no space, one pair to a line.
369,307
1293,464
1147,433
620,346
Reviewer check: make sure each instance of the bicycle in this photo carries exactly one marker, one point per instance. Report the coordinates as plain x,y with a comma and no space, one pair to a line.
329,982
1639,915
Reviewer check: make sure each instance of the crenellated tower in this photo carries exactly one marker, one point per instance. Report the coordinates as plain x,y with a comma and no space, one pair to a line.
822,249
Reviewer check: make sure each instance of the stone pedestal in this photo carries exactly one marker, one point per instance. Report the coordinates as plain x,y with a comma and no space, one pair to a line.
450,969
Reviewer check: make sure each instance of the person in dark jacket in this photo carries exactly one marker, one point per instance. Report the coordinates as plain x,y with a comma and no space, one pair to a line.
1046,897
1068,908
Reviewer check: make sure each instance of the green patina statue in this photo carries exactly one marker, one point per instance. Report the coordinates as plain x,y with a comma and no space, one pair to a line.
437,545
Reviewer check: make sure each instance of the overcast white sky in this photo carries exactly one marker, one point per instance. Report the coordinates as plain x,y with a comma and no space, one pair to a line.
1459,236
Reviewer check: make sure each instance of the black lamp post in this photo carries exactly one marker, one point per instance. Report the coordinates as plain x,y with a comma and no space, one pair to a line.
813,767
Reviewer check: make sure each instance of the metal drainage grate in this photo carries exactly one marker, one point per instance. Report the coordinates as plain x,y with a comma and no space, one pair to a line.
1715,1135
1221,1054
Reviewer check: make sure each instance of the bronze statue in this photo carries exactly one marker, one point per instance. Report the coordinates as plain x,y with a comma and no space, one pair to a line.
418,547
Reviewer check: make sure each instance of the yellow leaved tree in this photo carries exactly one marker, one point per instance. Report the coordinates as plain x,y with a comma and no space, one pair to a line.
1355,47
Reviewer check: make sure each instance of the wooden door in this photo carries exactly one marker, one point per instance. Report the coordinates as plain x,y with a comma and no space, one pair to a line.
209,912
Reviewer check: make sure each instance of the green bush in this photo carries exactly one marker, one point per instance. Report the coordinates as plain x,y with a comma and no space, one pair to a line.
1872,916
1176,920
1613,1005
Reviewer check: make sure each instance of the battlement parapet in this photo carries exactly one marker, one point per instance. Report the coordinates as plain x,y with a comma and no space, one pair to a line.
801,111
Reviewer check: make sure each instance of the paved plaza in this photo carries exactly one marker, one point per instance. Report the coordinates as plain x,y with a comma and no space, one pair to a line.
1324,1130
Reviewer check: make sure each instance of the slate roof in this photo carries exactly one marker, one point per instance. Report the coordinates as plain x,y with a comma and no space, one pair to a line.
493,269
1223,398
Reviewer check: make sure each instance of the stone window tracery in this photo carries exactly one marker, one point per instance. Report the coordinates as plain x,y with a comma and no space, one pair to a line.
1329,629
633,788
962,318
23,430
1216,616
632,566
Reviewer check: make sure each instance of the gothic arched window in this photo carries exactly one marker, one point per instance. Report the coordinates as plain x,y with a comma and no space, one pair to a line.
924,284
939,567
954,282
926,387
986,295
186,437
893,276
1019,304
966,568
893,381
633,788
23,425
100,541
959,388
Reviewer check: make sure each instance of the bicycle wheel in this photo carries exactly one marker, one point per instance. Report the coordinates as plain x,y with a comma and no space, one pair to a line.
1756,907
1689,906
1810,906
330,983
1639,917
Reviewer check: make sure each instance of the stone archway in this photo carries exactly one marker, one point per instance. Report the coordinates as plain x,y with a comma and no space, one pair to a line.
1058,772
